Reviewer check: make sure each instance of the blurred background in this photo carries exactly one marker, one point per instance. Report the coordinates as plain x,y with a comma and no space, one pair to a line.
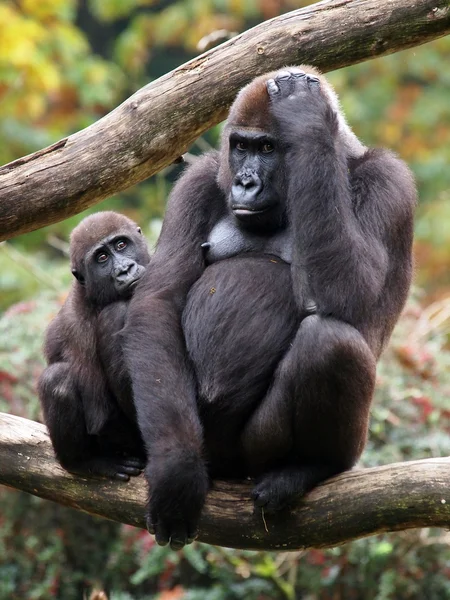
63,65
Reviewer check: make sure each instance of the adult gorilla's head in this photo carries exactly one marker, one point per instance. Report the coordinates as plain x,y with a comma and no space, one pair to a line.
108,255
254,169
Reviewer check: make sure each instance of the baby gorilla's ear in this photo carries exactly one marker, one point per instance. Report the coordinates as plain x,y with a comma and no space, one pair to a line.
138,229
78,276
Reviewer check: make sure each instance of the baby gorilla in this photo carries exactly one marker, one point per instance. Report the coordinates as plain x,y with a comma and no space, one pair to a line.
88,408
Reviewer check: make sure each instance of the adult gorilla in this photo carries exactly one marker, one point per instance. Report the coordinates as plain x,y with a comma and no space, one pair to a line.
283,264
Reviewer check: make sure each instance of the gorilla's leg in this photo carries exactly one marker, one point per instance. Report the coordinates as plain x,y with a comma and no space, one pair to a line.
313,422
63,414
75,448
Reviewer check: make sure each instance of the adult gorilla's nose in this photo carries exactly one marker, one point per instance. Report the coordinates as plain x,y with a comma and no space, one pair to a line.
245,189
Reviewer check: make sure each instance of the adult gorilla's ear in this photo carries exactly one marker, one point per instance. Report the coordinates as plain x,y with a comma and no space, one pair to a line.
78,276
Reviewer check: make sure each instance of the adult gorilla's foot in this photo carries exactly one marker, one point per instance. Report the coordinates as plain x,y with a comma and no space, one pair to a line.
279,489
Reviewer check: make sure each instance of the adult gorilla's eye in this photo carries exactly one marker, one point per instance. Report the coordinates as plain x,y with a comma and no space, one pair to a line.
242,146
102,257
121,245
267,147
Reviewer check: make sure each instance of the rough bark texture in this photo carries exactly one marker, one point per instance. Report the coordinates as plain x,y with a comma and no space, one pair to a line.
158,123
356,504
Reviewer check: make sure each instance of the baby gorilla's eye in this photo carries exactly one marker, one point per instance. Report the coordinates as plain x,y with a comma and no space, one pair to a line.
242,146
267,147
121,245
102,257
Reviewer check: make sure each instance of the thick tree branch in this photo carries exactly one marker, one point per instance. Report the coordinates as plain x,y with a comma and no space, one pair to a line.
356,504
158,123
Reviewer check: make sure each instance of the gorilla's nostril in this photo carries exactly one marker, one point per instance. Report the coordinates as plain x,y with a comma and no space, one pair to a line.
248,183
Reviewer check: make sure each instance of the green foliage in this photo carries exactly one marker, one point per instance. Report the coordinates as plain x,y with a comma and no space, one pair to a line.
21,358
23,275
50,83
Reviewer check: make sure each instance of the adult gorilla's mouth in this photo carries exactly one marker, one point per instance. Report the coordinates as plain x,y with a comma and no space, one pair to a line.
246,212
258,215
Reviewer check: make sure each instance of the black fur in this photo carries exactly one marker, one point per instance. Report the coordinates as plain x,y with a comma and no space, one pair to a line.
85,391
283,264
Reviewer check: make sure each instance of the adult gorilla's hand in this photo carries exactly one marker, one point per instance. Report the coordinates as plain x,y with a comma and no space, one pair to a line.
289,83
299,104
178,488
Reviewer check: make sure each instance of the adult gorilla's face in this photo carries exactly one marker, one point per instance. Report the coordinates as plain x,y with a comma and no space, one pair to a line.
255,196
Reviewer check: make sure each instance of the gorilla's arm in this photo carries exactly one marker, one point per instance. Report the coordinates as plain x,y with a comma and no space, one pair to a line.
109,325
352,217
163,382
74,376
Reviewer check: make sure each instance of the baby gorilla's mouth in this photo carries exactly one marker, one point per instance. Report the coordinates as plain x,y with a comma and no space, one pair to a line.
126,288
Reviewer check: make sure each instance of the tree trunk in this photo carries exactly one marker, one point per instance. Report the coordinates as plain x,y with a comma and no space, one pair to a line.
160,121
353,505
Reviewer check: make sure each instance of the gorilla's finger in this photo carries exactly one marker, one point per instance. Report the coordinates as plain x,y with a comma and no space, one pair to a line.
178,539
282,75
161,534
126,470
150,526
121,476
272,87
286,82
132,461
176,544
312,80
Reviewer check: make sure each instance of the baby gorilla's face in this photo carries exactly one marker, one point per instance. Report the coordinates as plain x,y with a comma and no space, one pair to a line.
114,268
109,265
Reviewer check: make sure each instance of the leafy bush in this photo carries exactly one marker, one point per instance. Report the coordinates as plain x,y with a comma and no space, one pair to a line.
50,551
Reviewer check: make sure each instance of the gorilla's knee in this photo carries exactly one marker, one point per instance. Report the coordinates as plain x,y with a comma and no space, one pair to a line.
329,344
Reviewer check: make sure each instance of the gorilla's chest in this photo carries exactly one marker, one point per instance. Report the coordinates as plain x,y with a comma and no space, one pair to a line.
228,239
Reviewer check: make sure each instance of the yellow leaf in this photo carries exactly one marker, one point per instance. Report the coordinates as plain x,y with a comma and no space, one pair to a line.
18,38
44,76
43,10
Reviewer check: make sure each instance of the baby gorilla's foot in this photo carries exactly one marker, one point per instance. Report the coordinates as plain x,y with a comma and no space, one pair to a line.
119,468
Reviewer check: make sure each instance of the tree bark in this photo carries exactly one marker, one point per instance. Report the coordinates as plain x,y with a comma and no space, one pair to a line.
355,504
159,122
